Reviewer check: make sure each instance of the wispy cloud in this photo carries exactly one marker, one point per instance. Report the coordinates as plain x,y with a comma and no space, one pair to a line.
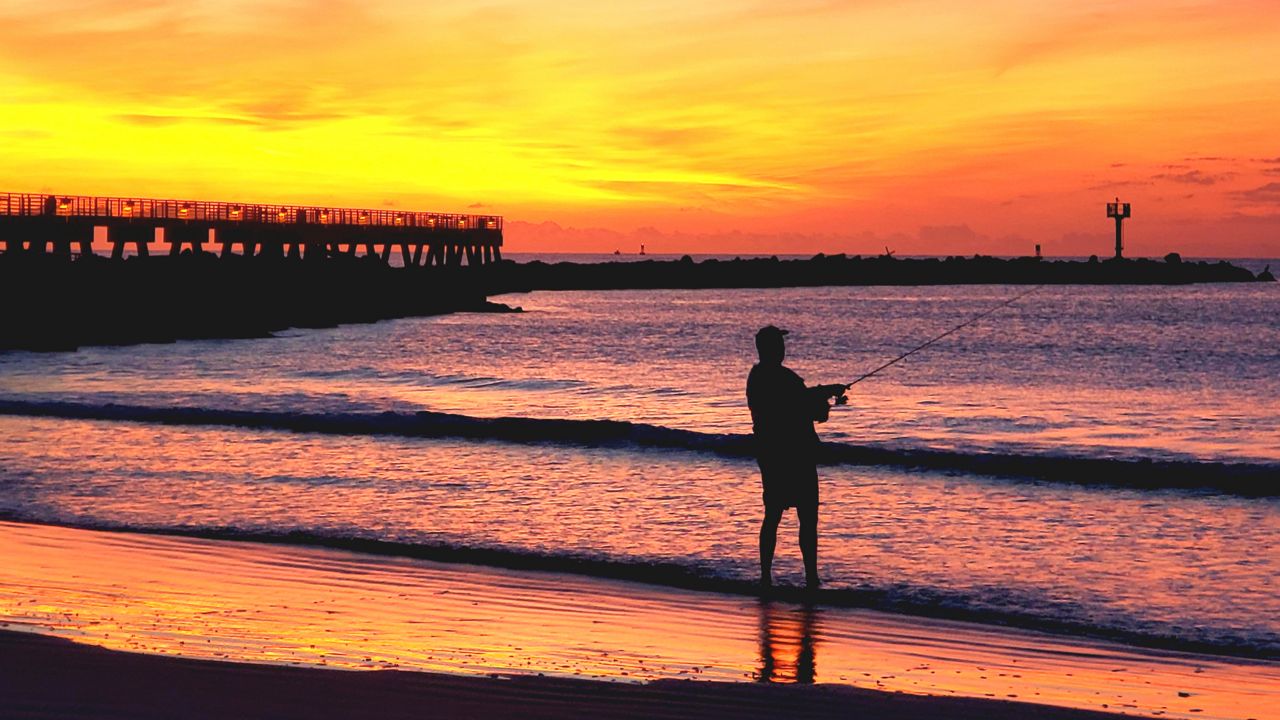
1194,177
1269,193
160,120
1112,184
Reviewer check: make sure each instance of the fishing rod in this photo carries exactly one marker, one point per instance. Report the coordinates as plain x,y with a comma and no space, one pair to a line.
962,325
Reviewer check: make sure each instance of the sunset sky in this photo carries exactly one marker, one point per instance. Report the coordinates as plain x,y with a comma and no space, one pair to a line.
713,126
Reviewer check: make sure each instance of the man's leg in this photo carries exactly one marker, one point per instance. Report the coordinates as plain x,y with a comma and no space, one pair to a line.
768,541
808,515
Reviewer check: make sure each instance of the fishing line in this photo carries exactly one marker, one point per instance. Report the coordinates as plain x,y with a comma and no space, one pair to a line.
962,325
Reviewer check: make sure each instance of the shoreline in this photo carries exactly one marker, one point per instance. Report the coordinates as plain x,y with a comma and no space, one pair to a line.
330,608
663,577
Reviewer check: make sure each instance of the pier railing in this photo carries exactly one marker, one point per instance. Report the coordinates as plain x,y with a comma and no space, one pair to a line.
35,222
91,207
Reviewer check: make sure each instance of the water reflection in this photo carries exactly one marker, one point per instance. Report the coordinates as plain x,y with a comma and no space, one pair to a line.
788,647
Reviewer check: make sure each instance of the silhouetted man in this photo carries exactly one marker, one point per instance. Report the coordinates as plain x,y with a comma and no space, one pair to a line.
783,411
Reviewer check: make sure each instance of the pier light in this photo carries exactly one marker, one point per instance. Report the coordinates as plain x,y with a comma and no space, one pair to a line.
431,222
324,217
491,223
364,218
462,222
236,212
282,215
1119,211
399,218
64,206
184,212
127,209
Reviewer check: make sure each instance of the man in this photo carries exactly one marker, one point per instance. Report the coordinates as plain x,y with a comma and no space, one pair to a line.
783,411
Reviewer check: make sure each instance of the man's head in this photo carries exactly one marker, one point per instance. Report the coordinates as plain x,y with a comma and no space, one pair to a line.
770,345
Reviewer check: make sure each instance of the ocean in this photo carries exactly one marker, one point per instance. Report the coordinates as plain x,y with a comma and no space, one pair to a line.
628,462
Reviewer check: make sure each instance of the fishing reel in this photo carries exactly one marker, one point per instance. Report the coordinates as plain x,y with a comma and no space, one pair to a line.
819,397
838,393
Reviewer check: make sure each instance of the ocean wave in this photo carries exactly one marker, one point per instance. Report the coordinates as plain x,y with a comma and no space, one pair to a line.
1250,479
989,605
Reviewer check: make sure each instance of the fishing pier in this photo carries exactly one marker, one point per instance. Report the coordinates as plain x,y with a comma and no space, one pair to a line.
68,226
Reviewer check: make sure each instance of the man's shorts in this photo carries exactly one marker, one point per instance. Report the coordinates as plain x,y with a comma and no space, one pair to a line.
789,483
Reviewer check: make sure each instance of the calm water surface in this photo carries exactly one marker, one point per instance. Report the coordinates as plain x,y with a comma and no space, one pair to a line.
1115,371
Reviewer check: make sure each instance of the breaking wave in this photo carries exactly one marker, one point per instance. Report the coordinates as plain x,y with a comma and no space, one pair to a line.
1239,478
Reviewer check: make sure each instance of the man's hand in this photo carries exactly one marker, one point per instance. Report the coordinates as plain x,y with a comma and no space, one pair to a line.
834,391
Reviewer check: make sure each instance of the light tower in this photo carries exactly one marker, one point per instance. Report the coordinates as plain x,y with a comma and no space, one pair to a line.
1119,211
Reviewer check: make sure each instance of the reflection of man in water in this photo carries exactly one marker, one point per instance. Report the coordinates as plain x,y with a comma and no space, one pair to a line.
788,644
783,411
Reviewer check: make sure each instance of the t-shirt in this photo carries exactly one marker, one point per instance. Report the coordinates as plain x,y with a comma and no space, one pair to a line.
783,411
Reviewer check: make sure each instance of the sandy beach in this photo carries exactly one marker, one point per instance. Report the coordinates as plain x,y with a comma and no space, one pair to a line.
236,629
41,677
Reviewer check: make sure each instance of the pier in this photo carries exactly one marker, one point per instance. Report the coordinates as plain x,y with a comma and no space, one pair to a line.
67,226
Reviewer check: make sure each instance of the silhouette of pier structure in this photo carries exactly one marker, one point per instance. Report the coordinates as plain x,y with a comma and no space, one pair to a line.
1119,211
67,226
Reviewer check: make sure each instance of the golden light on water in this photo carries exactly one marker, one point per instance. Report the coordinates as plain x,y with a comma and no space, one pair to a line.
333,609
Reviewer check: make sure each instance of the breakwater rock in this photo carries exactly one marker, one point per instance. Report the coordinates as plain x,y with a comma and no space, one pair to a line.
844,270
57,304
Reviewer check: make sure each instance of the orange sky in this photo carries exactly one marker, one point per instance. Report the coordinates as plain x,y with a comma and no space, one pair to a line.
714,126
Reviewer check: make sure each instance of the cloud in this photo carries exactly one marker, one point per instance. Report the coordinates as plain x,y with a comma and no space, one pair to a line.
1112,184
148,120
26,134
1270,220
283,111
1193,177
1269,193
1086,239
948,234
523,236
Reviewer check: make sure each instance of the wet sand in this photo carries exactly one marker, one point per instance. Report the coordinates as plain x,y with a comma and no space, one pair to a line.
485,642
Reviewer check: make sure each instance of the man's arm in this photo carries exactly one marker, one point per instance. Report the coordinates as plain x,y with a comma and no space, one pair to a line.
830,391
818,396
